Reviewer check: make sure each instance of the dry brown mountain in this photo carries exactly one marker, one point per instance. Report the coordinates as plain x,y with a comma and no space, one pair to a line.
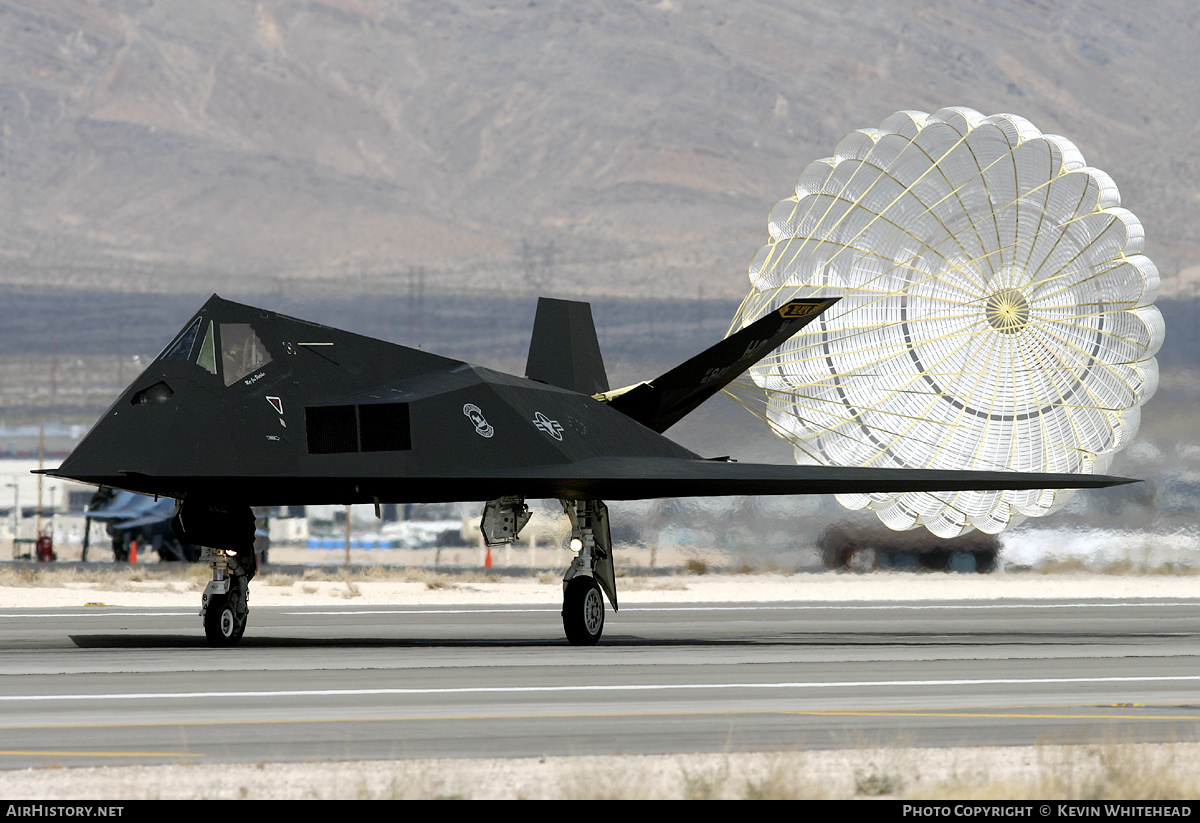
620,148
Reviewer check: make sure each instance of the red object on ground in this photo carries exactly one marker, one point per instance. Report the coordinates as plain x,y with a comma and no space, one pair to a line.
487,563
45,549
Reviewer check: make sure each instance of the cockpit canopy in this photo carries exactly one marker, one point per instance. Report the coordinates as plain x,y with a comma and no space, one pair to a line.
242,351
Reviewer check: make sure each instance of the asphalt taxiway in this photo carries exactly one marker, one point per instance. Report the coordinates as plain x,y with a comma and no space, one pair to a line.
105,685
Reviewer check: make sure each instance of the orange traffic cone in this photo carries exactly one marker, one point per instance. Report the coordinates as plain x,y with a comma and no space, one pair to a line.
487,562
133,551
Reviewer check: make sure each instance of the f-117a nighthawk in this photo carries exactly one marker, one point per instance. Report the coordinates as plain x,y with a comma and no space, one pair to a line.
247,407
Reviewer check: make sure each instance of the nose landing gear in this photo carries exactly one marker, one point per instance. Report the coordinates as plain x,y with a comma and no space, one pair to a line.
225,605
226,531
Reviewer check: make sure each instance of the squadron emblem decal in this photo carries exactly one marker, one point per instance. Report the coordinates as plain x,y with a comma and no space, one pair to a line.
550,427
476,416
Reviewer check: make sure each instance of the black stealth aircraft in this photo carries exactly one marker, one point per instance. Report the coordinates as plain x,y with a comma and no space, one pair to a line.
247,408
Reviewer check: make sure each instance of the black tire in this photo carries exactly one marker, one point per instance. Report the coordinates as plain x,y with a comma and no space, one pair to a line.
583,611
222,624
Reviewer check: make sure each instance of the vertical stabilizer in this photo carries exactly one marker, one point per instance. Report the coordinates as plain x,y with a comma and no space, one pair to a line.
564,351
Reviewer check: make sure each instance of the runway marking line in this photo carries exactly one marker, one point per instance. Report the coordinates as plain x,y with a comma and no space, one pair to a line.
627,687
833,606
90,615
998,714
992,715
21,753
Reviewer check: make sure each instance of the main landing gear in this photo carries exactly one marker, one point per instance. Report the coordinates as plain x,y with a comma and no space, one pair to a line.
589,577
590,572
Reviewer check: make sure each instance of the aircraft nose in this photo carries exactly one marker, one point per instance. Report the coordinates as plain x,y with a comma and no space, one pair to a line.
133,436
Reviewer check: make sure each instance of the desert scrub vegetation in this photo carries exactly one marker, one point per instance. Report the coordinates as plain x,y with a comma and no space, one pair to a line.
1109,770
119,577
1125,566
1101,771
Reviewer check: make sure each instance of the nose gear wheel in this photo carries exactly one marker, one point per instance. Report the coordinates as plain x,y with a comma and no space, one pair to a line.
225,615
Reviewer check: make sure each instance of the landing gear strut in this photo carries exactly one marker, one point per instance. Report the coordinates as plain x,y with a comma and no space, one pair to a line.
590,572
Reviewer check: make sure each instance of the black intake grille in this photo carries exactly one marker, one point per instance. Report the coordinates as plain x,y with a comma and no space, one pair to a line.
375,427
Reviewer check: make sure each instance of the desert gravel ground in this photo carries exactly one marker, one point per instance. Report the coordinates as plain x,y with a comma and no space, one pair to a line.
120,588
1104,771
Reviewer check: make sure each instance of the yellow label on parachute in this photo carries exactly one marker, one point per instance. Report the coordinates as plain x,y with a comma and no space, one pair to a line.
798,309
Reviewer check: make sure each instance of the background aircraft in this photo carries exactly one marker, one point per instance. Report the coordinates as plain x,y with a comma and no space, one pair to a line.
247,408
142,519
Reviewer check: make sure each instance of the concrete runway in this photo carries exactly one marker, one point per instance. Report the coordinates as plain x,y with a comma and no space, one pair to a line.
118,685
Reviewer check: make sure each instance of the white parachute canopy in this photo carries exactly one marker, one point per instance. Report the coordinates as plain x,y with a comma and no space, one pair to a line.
996,313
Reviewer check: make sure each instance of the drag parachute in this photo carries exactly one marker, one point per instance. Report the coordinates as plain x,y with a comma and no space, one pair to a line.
996,313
